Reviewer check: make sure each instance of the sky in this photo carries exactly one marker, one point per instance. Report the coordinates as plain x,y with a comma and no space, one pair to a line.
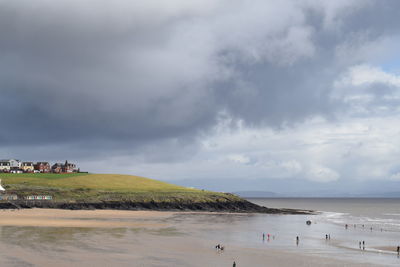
281,96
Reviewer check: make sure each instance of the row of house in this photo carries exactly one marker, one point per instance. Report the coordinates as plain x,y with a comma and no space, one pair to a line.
17,166
15,197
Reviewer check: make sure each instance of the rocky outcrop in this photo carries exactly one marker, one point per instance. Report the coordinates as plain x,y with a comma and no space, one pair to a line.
242,206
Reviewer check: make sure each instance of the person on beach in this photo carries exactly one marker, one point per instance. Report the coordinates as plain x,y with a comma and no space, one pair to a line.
398,250
359,243
346,226
234,264
263,236
297,240
326,237
363,245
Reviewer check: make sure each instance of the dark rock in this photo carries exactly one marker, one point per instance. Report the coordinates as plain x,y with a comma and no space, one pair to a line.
243,206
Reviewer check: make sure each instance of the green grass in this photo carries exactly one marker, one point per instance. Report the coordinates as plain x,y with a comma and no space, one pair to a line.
103,187
109,182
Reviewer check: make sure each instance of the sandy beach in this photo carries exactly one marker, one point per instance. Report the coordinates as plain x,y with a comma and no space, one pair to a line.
47,237
79,218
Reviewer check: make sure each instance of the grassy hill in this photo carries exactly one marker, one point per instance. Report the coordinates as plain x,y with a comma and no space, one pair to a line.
113,191
80,187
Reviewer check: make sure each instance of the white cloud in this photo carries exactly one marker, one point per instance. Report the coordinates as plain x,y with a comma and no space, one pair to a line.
322,174
368,90
293,166
238,158
366,75
318,150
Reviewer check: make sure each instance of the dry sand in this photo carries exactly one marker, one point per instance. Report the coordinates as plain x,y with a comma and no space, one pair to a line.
79,218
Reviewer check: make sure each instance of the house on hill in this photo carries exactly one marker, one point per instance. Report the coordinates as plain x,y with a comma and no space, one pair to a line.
43,167
57,168
7,165
15,164
27,166
64,168
69,167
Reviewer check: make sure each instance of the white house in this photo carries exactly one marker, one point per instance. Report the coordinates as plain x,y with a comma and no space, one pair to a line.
7,165
15,163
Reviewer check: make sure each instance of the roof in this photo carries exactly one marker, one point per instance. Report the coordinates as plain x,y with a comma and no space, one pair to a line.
58,165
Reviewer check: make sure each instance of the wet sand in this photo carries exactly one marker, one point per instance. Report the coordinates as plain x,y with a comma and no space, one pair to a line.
47,237
387,248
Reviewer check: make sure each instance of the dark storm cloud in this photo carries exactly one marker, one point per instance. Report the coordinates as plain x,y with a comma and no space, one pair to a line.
117,76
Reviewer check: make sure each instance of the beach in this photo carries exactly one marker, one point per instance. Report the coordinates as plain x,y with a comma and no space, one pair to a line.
48,237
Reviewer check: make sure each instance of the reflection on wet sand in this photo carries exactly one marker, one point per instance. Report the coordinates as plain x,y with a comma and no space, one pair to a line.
126,238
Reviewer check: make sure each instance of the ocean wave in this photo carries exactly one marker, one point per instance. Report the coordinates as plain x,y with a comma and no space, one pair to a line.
330,214
339,218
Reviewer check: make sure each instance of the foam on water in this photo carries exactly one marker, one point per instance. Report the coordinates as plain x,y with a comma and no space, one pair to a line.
377,223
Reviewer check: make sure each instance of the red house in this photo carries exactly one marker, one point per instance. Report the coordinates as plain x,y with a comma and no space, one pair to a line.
42,167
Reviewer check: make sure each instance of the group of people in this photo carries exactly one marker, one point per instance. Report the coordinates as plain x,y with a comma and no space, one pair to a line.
268,237
363,226
327,237
361,244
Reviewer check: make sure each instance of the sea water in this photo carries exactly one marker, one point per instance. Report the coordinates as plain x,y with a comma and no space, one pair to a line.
376,221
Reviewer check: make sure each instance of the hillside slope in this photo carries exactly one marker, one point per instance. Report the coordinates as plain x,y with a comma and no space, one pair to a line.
113,191
109,182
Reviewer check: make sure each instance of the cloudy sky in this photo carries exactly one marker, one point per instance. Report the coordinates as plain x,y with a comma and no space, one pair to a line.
282,96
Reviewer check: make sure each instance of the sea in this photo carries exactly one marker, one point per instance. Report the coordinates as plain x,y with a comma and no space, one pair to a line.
347,221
